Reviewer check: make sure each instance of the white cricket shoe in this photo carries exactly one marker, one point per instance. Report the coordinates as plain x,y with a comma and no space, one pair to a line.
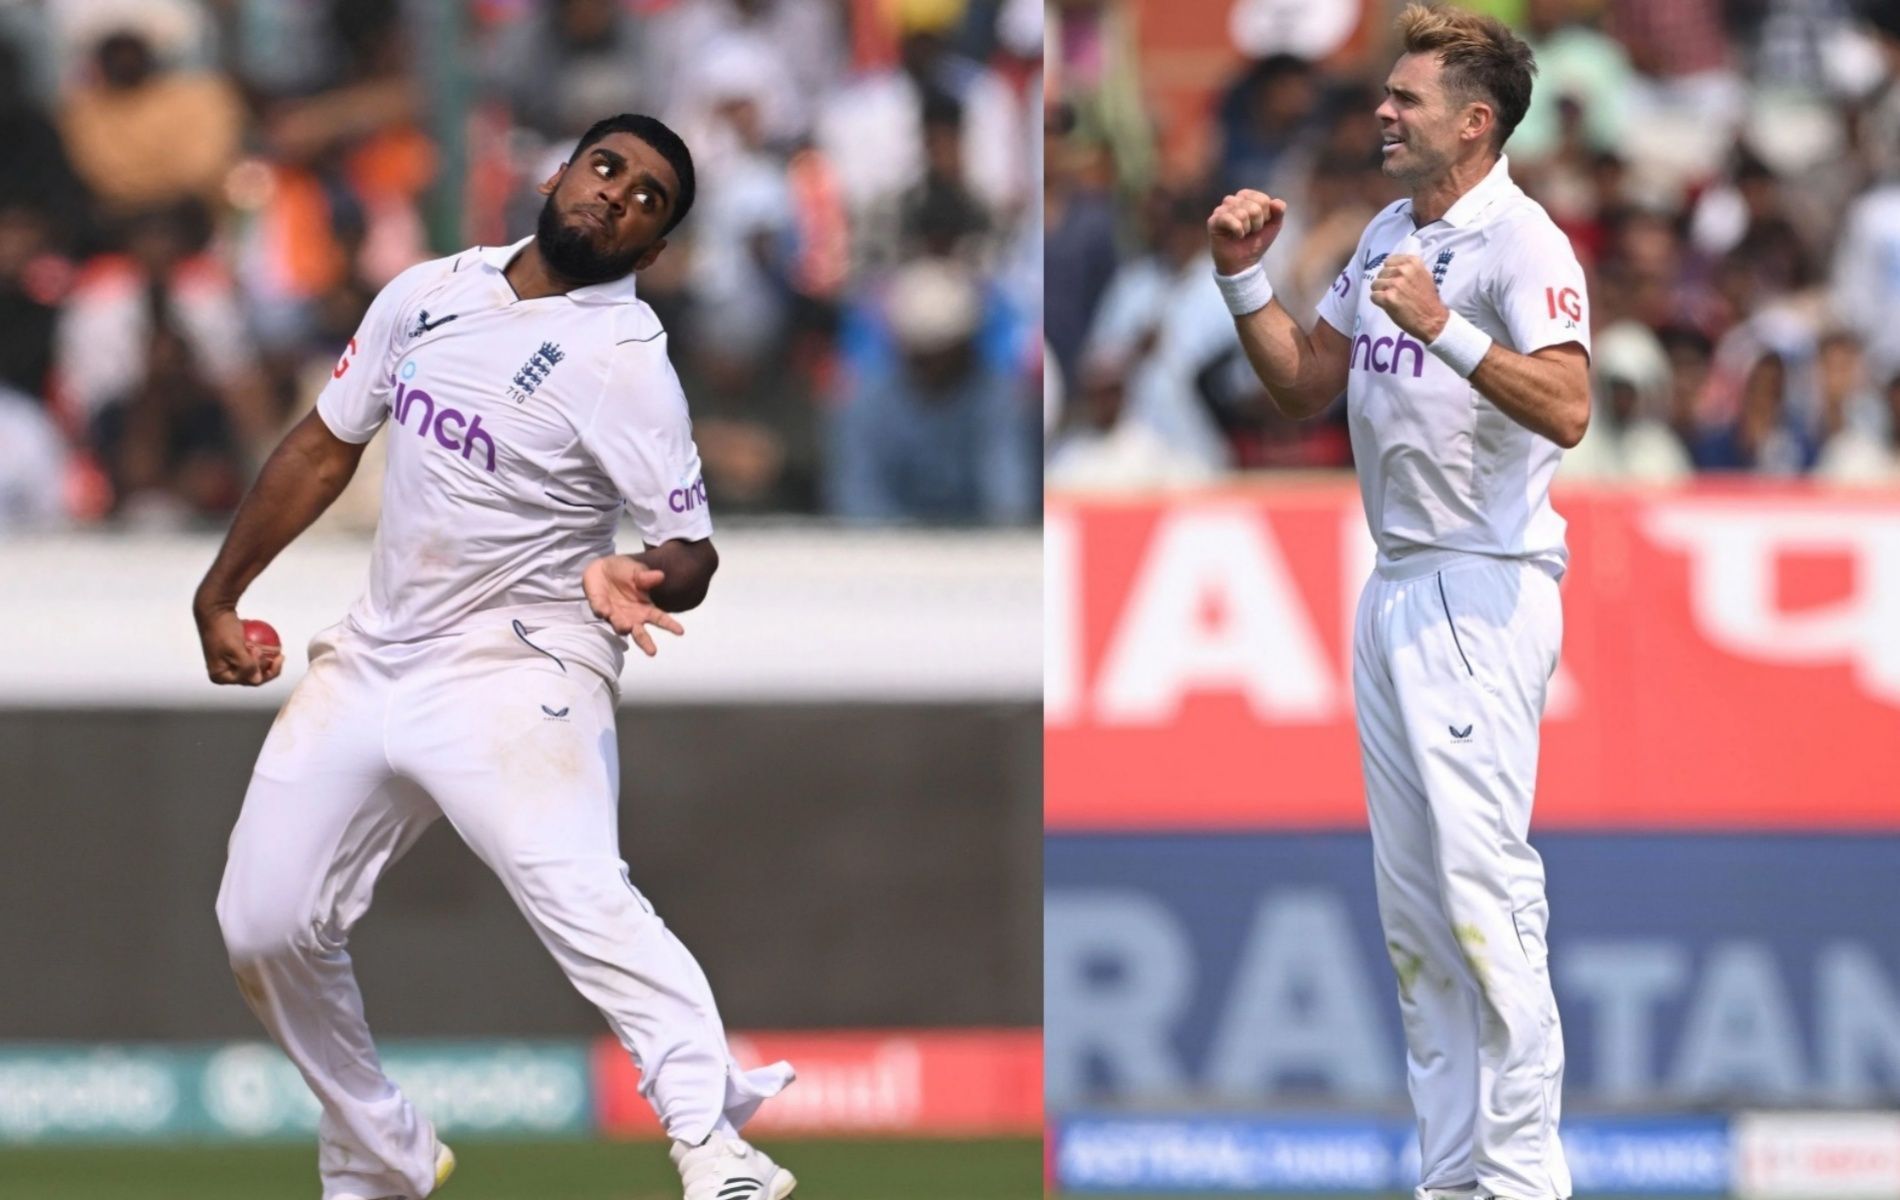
726,1168
444,1167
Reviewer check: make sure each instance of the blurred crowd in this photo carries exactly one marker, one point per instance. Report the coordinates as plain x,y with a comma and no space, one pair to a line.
1728,171
199,199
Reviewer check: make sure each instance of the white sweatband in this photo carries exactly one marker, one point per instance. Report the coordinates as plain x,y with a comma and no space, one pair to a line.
1246,292
1461,345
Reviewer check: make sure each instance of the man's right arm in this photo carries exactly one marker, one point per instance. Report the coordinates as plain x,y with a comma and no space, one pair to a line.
302,477
1303,373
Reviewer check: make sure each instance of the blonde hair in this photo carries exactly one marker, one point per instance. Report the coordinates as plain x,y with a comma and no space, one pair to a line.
1481,59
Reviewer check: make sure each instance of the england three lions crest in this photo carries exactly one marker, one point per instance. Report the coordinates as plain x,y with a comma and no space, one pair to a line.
535,372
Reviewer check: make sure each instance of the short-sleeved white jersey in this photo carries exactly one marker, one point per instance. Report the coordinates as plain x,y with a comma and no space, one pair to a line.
1440,467
521,429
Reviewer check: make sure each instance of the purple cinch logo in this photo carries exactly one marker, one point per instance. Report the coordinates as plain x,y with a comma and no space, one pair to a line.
437,421
686,499
1390,364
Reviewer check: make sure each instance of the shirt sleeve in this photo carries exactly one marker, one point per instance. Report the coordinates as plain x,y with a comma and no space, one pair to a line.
1539,293
641,434
1340,305
355,402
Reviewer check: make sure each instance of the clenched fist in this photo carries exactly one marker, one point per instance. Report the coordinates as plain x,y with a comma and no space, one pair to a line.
1404,288
1242,228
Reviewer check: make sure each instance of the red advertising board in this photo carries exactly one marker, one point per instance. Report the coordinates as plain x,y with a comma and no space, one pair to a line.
911,1083
1731,661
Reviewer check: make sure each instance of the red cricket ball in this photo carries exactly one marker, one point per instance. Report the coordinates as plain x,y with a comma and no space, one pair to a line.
259,633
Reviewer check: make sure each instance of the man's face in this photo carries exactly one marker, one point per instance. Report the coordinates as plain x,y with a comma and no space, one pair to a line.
607,210
1419,121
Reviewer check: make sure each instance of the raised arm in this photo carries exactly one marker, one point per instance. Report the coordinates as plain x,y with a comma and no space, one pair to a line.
1303,373
302,477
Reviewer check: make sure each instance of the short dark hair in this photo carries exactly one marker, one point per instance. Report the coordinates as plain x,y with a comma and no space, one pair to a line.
1480,57
655,133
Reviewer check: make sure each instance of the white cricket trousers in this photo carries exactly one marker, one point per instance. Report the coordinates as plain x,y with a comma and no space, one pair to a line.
517,749
1451,661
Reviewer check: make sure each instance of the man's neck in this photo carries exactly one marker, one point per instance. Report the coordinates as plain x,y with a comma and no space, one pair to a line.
531,277
1435,198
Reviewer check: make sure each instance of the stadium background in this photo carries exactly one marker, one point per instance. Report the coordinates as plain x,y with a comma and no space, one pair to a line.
833,783
1716,804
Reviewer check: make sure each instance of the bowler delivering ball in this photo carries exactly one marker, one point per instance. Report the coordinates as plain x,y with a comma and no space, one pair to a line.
527,398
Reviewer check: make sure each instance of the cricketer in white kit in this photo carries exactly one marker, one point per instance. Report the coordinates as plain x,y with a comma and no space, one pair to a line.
1459,335
528,398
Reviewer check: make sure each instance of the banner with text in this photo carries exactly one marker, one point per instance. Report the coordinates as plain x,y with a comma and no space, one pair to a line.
1731,661
914,1083
247,1090
1699,970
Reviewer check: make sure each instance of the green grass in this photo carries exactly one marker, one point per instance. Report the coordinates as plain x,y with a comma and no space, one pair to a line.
881,1170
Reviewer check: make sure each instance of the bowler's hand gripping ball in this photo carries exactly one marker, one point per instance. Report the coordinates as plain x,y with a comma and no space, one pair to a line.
262,638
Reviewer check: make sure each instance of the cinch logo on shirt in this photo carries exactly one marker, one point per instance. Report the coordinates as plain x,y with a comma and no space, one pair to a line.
686,499
1390,364
438,421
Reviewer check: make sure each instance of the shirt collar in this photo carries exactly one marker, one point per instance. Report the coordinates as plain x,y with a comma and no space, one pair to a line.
614,291
1495,186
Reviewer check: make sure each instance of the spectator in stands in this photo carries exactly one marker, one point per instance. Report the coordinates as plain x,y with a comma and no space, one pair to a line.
1857,425
1865,288
1162,318
739,277
33,284
1270,113
167,445
872,129
807,55
571,60
1628,437
1879,116
159,326
1097,447
934,426
143,136
1681,51
1079,252
32,465
35,173
1577,61
1760,438
752,421
940,214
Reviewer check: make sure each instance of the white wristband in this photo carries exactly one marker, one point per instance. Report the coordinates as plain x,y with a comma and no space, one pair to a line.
1246,292
1461,345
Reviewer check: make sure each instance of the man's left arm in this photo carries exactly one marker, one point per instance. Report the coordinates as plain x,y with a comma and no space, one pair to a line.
632,591
642,437
1546,389
688,567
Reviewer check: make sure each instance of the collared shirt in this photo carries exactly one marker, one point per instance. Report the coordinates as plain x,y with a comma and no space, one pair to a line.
522,427
1441,467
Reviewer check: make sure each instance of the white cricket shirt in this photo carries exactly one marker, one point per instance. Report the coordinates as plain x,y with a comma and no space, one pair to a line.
521,429
1440,467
